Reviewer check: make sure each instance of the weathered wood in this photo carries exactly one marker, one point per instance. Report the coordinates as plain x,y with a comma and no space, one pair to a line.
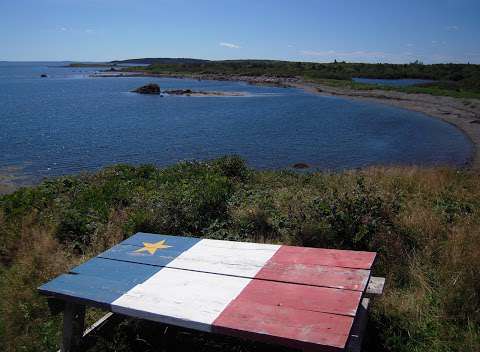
73,325
85,289
98,324
96,328
357,333
288,326
248,259
375,285
212,256
306,298
325,257
301,297
315,275
180,297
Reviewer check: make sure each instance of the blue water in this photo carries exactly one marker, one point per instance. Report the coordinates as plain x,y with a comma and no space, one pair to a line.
404,82
71,122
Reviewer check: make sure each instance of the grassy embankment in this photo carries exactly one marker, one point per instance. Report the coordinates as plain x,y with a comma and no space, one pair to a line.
424,223
457,80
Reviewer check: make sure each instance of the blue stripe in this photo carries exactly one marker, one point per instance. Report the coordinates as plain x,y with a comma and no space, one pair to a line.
105,278
130,249
117,271
86,289
178,243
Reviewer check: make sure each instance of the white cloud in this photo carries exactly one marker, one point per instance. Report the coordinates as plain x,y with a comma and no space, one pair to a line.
230,45
63,29
89,31
452,28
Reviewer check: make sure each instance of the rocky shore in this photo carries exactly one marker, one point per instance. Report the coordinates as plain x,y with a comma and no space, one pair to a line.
256,80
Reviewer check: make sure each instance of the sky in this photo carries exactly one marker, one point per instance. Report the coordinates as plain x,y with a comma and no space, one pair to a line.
396,31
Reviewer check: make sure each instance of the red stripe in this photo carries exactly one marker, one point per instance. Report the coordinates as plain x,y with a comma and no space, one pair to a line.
315,275
284,325
325,257
303,297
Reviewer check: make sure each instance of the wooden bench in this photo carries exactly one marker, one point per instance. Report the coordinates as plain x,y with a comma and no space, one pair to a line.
306,298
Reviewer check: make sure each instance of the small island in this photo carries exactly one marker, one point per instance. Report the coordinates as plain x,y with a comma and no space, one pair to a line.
154,89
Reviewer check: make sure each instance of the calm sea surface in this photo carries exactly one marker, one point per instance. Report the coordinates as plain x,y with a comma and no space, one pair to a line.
70,122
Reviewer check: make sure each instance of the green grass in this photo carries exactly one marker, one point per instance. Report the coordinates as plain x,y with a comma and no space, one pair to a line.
437,88
424,223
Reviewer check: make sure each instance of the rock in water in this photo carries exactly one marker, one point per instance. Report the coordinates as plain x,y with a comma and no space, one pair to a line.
151,88
43,75
301,166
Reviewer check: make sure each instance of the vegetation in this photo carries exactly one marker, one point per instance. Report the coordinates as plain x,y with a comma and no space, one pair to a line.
442,88
424,223
459,80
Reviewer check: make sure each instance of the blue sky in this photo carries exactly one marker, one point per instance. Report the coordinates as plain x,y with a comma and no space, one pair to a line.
308,30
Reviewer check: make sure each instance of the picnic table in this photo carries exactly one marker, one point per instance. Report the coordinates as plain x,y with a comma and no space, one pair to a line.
306,298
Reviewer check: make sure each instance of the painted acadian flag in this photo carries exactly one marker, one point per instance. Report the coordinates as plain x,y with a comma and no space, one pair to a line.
292,295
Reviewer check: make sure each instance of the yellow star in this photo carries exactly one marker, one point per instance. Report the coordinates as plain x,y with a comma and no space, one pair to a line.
152,247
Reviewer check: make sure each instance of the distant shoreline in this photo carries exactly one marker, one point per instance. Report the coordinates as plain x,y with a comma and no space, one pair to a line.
462,113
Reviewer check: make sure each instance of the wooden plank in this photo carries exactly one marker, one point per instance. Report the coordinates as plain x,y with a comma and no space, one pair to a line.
301,297
178,243
180,297
114,270
108,321
375,285
243,259
221,257
288,326
325,257
357,333
128,253
85,289
73,323
316,275
98,324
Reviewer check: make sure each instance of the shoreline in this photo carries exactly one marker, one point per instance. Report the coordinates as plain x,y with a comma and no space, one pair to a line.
464,114
465,117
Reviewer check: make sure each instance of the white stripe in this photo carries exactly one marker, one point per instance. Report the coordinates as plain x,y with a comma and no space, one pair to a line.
196,295
225,257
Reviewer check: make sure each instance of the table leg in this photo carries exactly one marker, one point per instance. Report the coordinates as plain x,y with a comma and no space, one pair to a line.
73,325
169,336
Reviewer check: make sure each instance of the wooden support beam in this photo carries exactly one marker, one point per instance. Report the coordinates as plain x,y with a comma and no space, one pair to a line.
358,329
73,325
98,324
96,328
375,285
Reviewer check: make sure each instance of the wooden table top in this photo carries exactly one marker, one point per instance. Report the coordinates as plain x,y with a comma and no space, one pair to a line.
296,296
